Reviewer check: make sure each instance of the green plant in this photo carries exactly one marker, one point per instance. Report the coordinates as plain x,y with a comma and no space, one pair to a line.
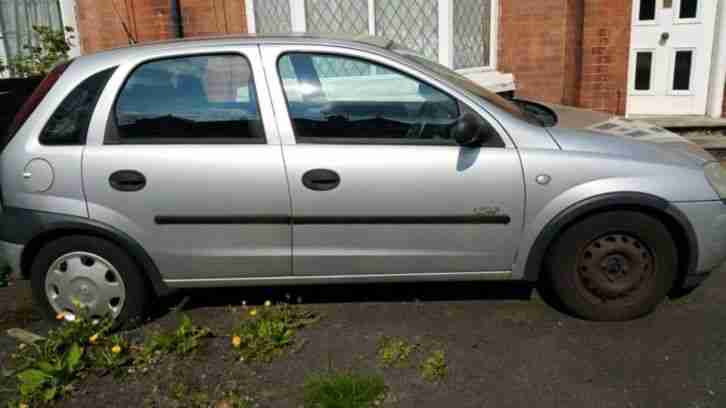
234,400
434,367
343,390
47,368
394,352
183,340
38,59
266,333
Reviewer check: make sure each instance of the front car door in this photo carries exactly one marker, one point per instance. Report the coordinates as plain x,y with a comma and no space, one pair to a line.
377,186
670,56
183,157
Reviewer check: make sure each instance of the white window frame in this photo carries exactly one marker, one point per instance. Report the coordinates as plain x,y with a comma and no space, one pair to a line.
446,30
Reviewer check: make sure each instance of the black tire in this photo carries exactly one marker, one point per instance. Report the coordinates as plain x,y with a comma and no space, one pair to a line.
613,266
137,297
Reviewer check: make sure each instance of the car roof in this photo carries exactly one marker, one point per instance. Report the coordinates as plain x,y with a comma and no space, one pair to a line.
362,41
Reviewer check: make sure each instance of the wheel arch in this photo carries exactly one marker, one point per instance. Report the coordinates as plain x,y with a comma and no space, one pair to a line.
675,221
34,229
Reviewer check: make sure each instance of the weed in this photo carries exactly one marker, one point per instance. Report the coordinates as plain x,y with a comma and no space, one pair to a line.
47,368
394,352
268,331
344,390
182,341
434,367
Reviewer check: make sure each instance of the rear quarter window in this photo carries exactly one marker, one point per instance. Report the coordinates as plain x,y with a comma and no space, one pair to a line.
69,123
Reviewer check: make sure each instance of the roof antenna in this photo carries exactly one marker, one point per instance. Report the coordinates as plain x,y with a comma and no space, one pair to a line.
130,37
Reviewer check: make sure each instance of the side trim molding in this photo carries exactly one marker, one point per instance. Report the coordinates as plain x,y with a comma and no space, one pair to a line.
328,220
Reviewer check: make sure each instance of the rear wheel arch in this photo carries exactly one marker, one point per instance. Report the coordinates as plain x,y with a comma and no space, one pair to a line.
677,224
58,231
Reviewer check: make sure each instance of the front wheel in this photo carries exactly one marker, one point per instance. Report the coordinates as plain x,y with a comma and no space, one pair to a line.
613,266
90,273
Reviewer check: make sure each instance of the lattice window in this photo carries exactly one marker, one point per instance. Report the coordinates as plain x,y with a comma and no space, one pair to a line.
272,16
472,26
337,16
412,23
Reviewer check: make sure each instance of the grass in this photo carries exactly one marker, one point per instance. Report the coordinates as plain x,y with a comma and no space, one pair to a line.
394,352
267,332
343,390
184,340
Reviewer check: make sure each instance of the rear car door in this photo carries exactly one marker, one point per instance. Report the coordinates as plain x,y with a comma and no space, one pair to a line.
183,156
378,187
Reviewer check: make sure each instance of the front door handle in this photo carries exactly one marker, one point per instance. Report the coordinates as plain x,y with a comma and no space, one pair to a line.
127,180
321,179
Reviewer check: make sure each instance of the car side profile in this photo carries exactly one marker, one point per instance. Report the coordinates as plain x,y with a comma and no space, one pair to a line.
271,160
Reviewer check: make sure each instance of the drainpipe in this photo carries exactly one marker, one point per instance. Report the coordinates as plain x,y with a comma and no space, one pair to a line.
176,18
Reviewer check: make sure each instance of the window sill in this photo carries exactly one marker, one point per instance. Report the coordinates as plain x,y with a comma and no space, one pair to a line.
490,79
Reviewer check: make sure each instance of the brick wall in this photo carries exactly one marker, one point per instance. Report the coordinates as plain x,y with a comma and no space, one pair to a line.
605,51
572,52
100,27
533,46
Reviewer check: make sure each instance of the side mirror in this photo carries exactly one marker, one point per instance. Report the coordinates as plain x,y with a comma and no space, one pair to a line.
469,131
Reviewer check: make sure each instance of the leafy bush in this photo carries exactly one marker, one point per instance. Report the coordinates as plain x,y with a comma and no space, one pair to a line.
344,390
267,332
38,59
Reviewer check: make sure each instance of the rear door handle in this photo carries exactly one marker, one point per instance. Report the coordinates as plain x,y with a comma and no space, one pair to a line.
127,180
321,179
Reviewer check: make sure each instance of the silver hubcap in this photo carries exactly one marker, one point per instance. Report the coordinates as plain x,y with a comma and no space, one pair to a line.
85,279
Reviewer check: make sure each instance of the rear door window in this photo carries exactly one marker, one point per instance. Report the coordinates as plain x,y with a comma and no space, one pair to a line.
190,99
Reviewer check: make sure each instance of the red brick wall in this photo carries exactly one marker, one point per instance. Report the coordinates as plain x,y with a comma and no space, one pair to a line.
573,52
606,47
533,46
99,22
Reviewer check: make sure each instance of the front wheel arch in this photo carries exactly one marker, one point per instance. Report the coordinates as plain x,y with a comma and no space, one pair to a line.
677,224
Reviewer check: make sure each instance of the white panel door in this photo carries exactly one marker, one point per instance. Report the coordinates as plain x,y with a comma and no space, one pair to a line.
670,56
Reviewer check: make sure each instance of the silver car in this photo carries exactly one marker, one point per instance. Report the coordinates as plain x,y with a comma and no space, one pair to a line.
306,160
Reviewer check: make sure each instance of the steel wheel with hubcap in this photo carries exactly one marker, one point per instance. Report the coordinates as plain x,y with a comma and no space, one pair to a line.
91,273
86,280
613,266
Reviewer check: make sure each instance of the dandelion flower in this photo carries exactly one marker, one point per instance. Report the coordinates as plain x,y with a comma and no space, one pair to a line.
253,312
93,338
268,303
116,349
23,405
236,341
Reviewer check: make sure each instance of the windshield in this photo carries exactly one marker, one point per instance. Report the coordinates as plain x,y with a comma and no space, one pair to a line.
463,82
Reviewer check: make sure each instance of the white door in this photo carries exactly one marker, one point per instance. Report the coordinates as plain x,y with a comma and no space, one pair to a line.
670,56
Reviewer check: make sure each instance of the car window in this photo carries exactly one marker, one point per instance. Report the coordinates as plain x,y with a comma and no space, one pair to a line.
194,99
340,99
69,123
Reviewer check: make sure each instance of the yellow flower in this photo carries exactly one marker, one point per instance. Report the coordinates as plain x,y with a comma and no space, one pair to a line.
93,338
116,349
253,312
60,316
268,303
23,405
236,341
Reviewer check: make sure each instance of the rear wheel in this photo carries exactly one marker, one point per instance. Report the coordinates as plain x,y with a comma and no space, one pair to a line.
613,266
90,273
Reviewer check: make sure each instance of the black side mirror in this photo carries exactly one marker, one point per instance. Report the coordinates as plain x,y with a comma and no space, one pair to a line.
469,131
